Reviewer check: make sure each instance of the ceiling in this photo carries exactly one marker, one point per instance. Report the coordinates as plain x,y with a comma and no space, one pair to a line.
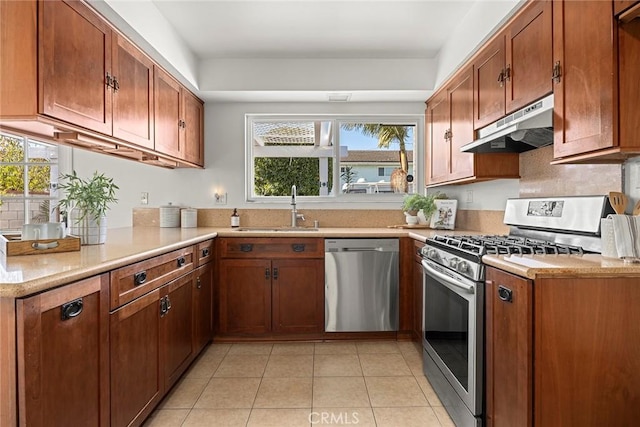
314,28
219,32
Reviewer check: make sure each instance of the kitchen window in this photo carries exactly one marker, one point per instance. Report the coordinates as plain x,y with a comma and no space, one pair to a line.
331,158
28,181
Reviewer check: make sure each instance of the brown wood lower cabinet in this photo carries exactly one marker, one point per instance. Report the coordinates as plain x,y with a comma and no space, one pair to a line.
562,351
418,278
63,354
202,307
270,286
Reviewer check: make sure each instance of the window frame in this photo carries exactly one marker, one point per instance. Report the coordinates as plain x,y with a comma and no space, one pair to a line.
416,120
62,163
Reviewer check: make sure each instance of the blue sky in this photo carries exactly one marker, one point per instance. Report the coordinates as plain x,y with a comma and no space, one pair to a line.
355,140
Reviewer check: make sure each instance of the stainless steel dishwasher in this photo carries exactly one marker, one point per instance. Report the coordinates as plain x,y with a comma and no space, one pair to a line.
361,285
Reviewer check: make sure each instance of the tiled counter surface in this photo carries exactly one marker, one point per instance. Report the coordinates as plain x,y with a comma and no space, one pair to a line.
538,266
30,274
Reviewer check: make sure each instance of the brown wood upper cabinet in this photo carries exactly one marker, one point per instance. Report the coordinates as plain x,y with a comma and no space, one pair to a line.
515,68
620,6
69,75
596,91
179,120
449,126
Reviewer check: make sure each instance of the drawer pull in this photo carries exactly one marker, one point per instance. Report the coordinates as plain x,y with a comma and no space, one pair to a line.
71,309
139,278
246,247
298,247
205,252
505,294
181,262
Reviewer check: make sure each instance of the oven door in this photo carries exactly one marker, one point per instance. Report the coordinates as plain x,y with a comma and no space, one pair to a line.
453,330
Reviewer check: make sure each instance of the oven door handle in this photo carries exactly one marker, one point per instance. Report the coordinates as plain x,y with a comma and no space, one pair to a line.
448,280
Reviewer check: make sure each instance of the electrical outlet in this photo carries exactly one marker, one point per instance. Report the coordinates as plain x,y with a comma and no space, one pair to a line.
469,196
144,198
220,198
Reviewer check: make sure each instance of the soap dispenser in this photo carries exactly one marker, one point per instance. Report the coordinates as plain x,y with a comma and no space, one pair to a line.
235,219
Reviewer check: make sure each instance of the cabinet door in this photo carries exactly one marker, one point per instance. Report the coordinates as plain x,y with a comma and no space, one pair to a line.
529,56
192,129
509,349
167,113
438,147
133,99
63,356
587,348
584,92
245,296
418,277
489,84
75,57
136,382
202,307
298,295
176,328
461,112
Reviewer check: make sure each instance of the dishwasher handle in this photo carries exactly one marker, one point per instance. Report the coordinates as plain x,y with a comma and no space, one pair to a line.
362,249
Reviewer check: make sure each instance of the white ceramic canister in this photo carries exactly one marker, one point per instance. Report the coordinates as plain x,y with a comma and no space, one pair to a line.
188,218
169,216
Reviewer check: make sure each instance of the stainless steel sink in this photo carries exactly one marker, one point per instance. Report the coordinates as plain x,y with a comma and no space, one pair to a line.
276,229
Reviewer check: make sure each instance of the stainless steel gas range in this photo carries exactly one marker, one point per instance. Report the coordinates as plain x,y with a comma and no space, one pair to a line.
454,274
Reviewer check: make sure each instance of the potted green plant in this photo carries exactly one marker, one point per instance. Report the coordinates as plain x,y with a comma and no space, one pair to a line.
412,204
86,203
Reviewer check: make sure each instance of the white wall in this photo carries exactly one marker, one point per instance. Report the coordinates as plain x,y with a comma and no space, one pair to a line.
224,162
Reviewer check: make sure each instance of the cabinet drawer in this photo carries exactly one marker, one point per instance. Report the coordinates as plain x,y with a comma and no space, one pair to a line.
204,252
135,280
271,247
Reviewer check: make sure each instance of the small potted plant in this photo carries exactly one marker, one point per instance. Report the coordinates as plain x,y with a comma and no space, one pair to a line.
412,204
86,203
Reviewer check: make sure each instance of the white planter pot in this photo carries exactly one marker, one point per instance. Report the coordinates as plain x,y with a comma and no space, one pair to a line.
91,231
411,219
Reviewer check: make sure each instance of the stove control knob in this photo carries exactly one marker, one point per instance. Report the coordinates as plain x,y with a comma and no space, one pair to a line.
433,254
453,262
463,266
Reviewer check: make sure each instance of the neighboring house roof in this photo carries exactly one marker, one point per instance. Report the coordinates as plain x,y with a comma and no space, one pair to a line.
374,156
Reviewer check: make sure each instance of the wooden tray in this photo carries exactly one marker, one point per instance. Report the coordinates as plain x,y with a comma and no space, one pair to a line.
11,245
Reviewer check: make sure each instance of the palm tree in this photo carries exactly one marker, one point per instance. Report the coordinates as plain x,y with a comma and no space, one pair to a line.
387,134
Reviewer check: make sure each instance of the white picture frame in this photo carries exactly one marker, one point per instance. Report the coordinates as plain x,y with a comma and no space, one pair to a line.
444,216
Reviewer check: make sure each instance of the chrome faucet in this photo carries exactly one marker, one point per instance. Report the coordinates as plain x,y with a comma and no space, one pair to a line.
295,216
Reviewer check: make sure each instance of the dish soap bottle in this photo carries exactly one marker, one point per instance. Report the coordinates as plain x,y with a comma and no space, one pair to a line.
235,219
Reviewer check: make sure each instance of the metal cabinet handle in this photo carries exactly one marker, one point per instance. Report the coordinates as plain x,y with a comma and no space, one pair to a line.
501,78
168,303
275,274
507,73
246,247
181,262
116,84
557,72
139,278
163,306
205,252
267,273
298,247
198,283
108,80
71,309
505,294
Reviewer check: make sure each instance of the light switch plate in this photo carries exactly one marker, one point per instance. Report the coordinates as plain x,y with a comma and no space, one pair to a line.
144,198
220,198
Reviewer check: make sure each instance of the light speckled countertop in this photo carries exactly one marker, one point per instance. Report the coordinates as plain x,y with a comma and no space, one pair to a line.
538,266
29,274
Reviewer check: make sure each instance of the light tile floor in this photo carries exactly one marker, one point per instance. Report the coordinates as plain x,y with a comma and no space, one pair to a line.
304,384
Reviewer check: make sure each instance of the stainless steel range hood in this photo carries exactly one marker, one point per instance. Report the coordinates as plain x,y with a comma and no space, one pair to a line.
526,129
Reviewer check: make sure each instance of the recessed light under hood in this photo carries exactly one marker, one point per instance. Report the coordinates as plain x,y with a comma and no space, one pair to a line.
526,129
